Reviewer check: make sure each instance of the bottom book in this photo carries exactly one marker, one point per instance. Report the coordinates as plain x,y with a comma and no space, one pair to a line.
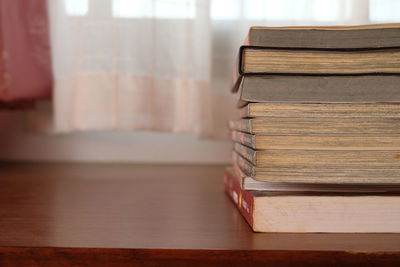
315,212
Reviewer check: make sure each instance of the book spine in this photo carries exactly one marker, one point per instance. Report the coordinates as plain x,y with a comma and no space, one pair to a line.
240,103
243,199
239,174
243,164
246,152
243,125
244,112
243,138
237,73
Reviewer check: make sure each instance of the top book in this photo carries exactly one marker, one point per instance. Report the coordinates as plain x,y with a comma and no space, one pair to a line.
333,37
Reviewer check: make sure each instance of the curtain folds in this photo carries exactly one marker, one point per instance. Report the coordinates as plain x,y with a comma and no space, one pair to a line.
120,70
113,101
25,64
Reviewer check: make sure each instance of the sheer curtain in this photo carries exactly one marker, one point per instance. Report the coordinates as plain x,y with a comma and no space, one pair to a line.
165,65
131,65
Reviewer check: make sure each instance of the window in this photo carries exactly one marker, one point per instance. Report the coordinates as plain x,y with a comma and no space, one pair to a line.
381,11
169,9
76,7
282,10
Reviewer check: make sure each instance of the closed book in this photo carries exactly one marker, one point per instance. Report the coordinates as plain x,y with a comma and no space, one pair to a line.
312,212
317,142
321,110
318,126
318,89
248,183
319,158
342,50
255,60
323,37
319,174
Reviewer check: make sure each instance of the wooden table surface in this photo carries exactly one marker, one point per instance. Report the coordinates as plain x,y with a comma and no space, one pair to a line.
97,214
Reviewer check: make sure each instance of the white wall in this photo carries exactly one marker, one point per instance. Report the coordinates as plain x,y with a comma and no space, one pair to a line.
17,144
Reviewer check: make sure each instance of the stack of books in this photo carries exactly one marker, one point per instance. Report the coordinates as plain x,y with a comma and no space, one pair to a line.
317,144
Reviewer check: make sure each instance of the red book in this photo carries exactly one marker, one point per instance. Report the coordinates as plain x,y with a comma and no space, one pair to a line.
242,198
315,212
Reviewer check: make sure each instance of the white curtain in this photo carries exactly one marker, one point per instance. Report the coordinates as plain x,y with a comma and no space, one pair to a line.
166,65
131,65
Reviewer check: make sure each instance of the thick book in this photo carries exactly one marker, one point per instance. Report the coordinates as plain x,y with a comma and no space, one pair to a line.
321,110
318,89
319,158
248,183
318,126
360,43
312,212
323,37
255,60
317,142
319,174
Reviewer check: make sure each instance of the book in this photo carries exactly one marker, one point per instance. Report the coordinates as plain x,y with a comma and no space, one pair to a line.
254,60
319,158
319,174
314,212
326,37
332,45
248,183
317,142
318,110
318,89
318,126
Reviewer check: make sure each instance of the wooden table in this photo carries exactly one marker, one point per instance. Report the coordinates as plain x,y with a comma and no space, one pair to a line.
98,215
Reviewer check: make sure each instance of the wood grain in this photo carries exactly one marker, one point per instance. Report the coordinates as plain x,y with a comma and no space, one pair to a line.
98,215
168,257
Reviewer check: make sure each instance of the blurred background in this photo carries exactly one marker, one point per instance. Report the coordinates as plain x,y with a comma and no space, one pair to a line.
136,80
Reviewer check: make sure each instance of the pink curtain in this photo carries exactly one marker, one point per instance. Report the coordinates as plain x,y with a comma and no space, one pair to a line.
25,65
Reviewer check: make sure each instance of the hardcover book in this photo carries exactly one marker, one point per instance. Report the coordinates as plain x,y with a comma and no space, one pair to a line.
342,50
318,89
248,183
315,212
326,37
